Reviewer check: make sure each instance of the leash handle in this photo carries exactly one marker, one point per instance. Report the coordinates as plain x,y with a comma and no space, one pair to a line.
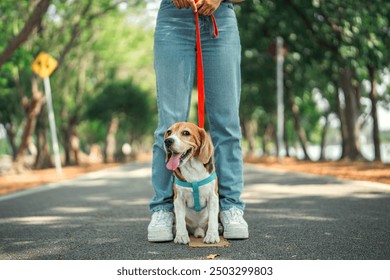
200,71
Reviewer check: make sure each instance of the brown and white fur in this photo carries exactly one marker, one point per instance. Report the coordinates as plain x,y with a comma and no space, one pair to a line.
189,153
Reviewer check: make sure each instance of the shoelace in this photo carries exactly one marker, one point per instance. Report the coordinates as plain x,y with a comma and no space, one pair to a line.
161,217
234,214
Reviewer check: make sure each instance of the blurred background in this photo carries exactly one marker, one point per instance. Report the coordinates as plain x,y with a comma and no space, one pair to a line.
335,80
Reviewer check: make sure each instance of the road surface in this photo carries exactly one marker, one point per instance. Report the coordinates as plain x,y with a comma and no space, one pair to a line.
104,215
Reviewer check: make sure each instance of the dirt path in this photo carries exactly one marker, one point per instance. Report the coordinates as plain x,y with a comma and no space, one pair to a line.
32,178
362,171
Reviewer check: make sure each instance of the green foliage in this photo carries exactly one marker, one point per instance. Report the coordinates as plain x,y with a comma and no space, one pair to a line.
8,101
12,18
322,37
94,43
91,131
126,101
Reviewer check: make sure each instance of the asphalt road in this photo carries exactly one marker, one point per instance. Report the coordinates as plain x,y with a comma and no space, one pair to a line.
104,215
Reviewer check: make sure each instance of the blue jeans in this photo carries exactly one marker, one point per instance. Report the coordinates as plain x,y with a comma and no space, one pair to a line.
174,62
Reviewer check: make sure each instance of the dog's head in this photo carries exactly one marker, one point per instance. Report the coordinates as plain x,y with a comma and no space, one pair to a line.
184,140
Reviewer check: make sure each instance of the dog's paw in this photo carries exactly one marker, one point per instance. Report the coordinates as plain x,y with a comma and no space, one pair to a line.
211,237
182,238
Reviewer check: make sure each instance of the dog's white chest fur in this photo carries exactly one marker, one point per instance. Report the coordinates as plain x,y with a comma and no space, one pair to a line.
194,171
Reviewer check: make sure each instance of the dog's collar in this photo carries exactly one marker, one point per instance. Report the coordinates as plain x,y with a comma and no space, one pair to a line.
195,187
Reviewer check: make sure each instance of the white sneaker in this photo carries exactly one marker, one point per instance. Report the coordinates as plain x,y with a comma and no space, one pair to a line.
235,227
160,227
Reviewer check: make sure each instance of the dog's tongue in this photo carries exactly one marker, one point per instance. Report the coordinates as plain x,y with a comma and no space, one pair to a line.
173,162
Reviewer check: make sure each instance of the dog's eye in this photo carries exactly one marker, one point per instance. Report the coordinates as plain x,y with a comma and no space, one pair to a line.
169,132
186,133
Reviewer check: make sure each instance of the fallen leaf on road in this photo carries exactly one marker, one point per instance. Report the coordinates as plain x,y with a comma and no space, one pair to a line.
212,256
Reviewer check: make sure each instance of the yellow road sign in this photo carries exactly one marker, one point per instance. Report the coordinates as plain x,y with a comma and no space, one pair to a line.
44,65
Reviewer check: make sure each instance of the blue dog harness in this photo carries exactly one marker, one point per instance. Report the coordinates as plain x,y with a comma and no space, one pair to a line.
195,188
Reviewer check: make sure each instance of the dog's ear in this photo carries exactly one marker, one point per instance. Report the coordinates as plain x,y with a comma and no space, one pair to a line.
206,149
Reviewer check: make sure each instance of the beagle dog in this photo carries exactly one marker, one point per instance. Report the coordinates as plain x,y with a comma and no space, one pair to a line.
189,154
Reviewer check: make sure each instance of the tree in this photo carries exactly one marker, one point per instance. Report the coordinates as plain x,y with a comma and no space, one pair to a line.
125,104
331,44
31,24
69,32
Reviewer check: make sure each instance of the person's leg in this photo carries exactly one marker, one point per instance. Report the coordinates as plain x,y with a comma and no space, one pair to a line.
174,62
221,59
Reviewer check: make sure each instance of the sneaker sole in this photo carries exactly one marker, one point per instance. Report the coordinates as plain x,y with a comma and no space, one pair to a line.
236,234
159,236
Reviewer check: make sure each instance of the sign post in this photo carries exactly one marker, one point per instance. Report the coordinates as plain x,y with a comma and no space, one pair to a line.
43,66
278,50
279,94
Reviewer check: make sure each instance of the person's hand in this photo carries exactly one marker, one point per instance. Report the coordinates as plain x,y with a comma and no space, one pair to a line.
207,7
180,4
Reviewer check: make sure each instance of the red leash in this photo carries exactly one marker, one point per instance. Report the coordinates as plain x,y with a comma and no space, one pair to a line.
199,62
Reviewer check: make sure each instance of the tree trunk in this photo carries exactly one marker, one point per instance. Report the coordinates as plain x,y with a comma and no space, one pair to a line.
32,107
343,122
110,145
300,132
374,115
74,140
65,130
323,137
66,144
10,128
285,136
250,131
75,144
71,142
269,137
43,159
352,112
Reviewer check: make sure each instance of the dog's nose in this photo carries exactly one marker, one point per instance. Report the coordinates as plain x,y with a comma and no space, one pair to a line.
168,142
